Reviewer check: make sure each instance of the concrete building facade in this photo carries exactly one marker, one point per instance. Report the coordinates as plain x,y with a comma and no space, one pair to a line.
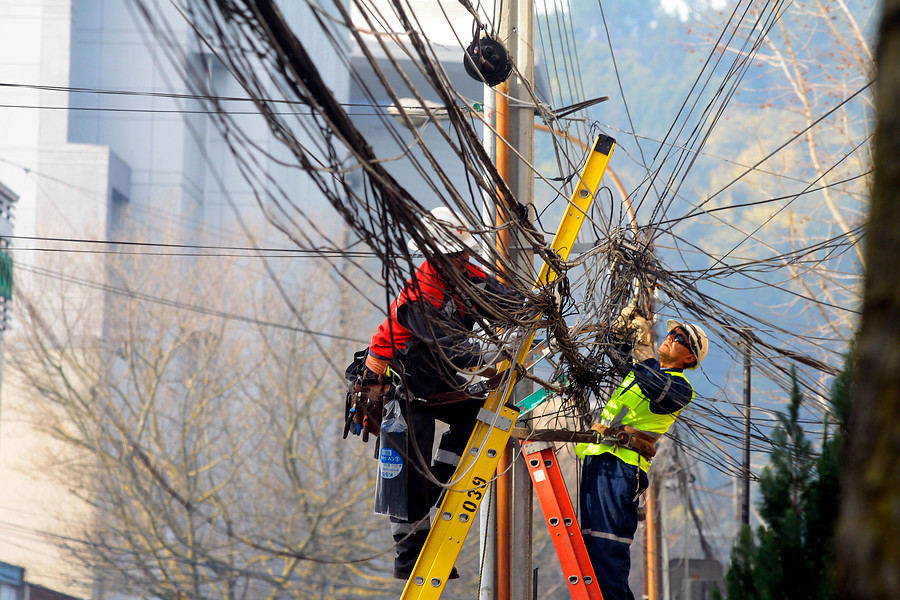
102,140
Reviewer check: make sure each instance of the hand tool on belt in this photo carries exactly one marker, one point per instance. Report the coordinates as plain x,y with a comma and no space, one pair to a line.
364,406
627,437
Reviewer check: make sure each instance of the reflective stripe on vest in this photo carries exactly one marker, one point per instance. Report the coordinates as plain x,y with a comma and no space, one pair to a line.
629,406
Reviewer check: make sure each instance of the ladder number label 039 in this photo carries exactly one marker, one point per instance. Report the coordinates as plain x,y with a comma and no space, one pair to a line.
468,505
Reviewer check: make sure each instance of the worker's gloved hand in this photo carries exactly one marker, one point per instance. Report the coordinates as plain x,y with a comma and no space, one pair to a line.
491,354
642,349
630,311
622,327
632,326
640,330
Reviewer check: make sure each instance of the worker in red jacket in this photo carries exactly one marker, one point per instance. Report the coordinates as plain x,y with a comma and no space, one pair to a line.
426,340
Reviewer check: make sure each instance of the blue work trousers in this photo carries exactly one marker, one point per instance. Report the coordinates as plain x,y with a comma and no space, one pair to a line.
609,495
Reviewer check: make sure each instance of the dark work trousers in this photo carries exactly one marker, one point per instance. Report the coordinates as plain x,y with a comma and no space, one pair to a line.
422,493
610,489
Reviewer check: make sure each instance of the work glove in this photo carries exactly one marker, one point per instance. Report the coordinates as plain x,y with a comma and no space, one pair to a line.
630,325
642,349
621,326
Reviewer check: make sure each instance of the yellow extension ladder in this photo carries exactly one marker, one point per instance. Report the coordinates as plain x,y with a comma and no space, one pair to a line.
496,418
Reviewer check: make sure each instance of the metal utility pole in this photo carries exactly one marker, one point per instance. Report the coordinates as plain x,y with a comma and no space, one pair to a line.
653,540
515,123
745,496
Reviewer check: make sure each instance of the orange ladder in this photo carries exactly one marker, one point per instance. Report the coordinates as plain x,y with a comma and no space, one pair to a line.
551,491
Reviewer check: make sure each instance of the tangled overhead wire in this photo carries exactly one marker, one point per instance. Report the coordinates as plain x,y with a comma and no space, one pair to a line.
339,160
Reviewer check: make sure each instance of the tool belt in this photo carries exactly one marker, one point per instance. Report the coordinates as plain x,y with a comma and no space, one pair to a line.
364,408
479,389
627,437
366,394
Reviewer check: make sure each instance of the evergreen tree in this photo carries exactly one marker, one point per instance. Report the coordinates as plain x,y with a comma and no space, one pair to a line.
824,493
785,482
739,579
792,555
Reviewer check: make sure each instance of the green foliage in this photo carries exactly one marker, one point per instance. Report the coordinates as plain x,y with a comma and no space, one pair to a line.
785,481
739,580
792,556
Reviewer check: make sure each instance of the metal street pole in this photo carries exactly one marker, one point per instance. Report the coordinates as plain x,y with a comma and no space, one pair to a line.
745,499
517,35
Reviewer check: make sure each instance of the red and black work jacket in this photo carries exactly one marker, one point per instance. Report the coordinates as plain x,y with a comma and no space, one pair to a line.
426,332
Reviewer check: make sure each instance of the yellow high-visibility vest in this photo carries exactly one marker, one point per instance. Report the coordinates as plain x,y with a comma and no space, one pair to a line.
629,406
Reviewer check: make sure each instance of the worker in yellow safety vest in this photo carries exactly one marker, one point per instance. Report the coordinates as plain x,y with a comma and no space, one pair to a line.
646,403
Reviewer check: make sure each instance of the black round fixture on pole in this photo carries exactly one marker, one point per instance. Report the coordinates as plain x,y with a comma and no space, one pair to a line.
487,60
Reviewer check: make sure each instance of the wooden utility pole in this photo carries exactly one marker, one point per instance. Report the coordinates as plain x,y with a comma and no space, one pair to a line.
504,512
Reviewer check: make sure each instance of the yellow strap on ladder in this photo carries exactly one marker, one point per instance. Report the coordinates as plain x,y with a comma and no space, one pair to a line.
496,418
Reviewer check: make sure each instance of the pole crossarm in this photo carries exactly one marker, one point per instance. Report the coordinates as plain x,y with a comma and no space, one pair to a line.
554,435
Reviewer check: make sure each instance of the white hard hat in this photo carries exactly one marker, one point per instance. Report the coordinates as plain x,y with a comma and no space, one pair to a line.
696,337
448,232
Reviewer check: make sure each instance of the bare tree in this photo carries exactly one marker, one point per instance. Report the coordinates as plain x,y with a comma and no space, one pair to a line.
203,428
798,140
